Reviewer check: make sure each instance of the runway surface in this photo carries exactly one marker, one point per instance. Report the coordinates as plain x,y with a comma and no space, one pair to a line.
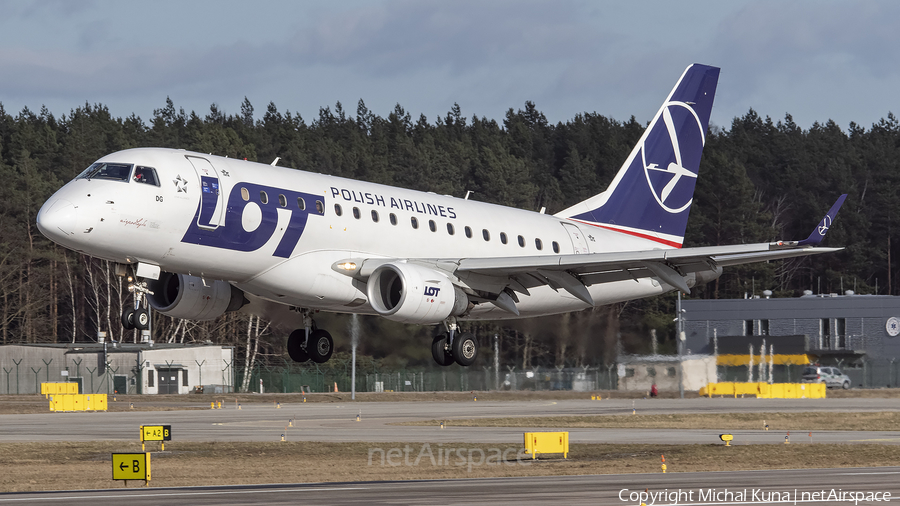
744,487
337,422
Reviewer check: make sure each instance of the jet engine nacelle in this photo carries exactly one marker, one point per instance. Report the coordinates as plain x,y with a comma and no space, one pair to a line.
193,298
410,293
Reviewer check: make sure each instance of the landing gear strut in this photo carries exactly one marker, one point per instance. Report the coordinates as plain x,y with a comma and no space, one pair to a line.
310,342
450,347
137,317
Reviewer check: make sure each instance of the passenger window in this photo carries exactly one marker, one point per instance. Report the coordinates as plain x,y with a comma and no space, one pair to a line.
301,204
414,221
146,175
486,234
282,201
320,207
356,213
432,225
263,197
555,247
538,244
521,241
468,232
503,237
245,194
450,229
337,210
393,219
375,216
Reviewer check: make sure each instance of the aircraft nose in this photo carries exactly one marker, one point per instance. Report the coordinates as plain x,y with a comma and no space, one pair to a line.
56,219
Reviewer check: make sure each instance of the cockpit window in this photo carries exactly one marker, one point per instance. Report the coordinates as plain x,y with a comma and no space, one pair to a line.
111,171
145,175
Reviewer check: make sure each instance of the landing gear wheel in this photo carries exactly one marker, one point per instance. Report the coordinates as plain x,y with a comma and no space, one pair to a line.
141,319
320,346
295,346
128,318
465,349
439,350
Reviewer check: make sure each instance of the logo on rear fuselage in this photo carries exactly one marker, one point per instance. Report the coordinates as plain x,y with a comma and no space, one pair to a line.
255,204
673,145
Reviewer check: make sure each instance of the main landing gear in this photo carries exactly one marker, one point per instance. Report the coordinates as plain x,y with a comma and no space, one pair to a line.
448,347
310,342
137,317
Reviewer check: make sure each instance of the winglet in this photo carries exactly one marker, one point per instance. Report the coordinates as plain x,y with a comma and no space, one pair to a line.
819,232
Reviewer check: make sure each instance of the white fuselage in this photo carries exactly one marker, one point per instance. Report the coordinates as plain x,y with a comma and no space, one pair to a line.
258,248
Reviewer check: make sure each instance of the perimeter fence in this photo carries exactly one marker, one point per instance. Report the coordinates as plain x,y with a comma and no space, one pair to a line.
20,376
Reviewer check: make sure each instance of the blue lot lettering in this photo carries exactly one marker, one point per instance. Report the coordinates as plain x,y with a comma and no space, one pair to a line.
431,291
231,234
373,199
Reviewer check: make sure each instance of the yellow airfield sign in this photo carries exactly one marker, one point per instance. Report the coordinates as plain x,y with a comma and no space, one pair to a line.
156,432
131,466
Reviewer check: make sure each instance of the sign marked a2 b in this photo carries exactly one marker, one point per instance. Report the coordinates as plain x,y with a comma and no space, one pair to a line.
156,432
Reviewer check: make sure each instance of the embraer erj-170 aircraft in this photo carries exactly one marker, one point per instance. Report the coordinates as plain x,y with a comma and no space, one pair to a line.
206,234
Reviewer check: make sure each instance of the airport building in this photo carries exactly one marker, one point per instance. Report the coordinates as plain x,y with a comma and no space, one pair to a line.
118,367
641,372
858,333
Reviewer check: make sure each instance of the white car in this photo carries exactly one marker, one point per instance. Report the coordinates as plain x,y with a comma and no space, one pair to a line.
831,376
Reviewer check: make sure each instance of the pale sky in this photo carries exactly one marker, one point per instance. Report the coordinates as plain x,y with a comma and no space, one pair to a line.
816,60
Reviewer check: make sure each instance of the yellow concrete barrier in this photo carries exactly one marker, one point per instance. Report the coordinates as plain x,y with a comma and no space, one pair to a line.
816,390
722,388
78,402
48,389
791,390
547,442
746,388
766,390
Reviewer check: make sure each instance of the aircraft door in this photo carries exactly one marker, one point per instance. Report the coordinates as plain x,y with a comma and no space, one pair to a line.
212,208
578,241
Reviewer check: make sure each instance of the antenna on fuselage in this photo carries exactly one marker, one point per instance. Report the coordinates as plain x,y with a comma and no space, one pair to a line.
275,161
542,210
467,195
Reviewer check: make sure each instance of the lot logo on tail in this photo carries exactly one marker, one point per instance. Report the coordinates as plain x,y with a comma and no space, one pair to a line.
681,131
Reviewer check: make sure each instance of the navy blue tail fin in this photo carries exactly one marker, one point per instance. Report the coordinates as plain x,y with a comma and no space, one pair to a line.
822,228
651,195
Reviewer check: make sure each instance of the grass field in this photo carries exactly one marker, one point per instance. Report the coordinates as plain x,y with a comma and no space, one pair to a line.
69,466
886,420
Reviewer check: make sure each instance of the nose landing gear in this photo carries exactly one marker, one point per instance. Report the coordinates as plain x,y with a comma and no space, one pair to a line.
137,317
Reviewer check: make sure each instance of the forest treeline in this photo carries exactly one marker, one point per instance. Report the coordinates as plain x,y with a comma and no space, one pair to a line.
760,180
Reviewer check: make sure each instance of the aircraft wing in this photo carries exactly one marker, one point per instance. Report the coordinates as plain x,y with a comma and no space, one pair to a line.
574,273
568,271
